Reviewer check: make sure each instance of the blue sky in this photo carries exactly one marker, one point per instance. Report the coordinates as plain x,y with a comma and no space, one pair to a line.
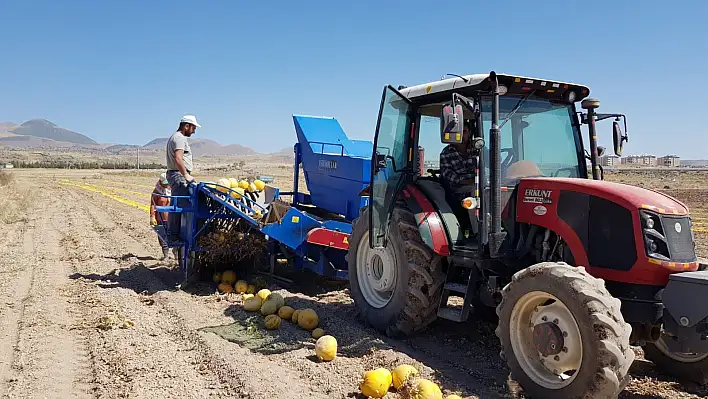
127,71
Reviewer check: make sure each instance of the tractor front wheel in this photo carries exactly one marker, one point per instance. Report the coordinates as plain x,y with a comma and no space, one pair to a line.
397,288
688,366
562,334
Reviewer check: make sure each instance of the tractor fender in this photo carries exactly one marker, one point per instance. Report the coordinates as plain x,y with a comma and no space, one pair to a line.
429,224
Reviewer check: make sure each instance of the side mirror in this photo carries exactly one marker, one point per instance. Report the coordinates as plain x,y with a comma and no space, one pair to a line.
451,124
618,138
600,150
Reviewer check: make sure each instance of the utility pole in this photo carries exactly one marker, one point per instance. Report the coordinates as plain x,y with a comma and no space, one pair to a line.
137,151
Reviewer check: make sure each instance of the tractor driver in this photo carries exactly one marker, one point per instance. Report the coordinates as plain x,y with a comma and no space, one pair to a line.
458,166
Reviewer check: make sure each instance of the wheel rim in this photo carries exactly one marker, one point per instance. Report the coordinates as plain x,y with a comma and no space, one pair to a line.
682,357
540,322
375,272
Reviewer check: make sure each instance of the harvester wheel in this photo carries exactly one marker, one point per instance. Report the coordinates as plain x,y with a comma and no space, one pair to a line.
688,366
562,334
396,289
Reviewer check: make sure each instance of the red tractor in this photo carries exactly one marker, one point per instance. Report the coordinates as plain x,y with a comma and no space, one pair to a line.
577,268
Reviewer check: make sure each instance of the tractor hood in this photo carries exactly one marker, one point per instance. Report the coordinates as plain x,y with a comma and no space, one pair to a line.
629,196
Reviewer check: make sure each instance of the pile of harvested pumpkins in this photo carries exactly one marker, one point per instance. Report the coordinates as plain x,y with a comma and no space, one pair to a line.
374,383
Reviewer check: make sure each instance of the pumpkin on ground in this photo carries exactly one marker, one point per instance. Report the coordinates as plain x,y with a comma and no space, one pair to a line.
228,277
246,296
326,348
251,289
401,374
279,300
241,286
263,294
225,288
268,307
376,383
252,304
308,319
423,389
295,316
272,321
286,312
317,333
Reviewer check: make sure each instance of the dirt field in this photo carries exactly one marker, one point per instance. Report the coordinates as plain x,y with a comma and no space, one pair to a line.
89,311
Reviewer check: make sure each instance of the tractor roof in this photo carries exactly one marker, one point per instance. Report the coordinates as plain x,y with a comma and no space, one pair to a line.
480,82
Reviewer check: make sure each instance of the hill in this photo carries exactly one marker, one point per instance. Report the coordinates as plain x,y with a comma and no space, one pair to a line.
45,129
202,147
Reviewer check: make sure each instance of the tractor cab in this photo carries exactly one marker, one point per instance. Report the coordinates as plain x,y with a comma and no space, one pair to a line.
539,136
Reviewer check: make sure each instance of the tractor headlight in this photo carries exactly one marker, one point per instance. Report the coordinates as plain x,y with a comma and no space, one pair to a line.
655,242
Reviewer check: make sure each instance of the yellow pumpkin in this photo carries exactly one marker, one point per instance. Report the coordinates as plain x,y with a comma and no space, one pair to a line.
225,288
228,277
401,374
375,383
233,183
259,185
237,193
272,321
263,294
225,183
286,312
251,289
269,307
424,389
243,184
326,348
252,304
217,277
241,286
295,316
246,296
317,333
277,298
252,188
308,319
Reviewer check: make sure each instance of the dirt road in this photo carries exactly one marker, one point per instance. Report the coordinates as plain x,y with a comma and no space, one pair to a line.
88,311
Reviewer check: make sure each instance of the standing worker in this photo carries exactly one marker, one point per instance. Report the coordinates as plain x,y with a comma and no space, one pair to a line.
179,169
162,187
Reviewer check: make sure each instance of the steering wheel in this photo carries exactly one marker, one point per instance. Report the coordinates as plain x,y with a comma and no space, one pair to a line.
571,169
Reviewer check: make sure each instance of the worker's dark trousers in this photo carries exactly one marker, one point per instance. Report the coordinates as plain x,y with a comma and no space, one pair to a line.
179,187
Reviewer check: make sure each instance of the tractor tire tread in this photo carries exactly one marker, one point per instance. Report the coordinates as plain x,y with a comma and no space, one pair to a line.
425,275
603,320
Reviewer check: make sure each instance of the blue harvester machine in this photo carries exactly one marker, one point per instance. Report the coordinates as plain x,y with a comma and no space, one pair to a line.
313,228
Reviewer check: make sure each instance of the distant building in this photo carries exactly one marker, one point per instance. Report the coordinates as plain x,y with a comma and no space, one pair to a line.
641,160
6,166
672,161
609,160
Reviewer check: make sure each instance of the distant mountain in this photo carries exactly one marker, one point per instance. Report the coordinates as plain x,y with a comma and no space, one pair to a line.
117,148
48,130
202,147
6,126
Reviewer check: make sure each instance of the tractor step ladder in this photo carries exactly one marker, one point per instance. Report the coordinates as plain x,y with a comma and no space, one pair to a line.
464,290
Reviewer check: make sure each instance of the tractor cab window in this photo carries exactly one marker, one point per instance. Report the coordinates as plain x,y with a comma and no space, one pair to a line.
429,139
538,139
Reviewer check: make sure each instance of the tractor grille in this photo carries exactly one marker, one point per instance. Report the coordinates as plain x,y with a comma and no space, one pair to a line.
681,244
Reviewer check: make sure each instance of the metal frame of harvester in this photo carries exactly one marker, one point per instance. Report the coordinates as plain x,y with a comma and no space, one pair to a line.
372,217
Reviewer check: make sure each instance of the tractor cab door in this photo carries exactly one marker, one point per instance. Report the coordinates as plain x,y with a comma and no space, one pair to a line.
390,158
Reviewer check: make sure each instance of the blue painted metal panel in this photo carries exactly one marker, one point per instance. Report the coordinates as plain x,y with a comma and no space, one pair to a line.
292,229
336,168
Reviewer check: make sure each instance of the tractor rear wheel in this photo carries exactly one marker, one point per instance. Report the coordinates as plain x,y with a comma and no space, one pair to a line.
562,334
688,366
397,288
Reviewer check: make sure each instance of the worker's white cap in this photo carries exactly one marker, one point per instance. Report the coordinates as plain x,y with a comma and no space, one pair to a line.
163,178
190,119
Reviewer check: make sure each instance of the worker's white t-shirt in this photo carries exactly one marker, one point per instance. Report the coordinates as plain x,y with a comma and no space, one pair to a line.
178,142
